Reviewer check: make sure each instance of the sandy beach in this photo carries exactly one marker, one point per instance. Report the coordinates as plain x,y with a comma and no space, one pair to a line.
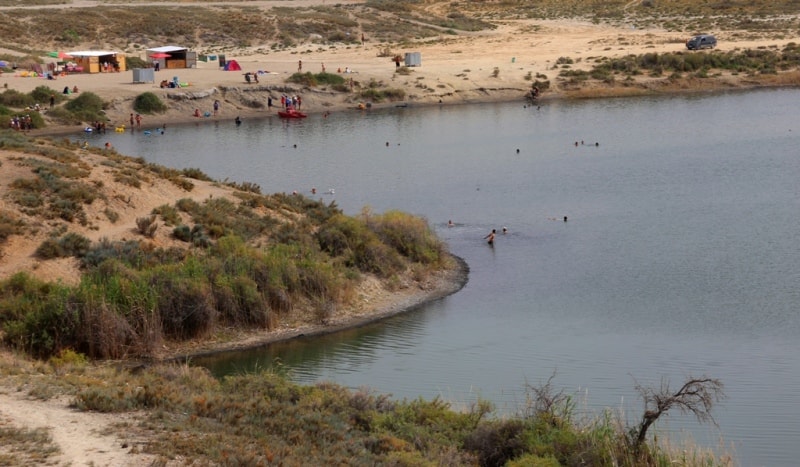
494,65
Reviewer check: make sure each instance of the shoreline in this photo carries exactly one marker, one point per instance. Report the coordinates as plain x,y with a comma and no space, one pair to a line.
176,117
332,107
445,283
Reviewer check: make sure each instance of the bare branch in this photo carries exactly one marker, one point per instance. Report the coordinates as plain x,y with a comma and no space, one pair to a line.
697,396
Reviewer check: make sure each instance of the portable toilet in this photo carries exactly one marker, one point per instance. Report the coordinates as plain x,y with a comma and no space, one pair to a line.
144,75
413,59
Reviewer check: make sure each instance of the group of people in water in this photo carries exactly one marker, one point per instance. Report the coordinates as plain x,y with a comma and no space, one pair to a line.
490,237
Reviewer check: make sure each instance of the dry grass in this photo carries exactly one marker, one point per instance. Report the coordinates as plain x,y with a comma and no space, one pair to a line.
24,446
219,28
263,419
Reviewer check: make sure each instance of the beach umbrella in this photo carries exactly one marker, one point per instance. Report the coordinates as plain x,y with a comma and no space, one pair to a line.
160,55
59,54
3,63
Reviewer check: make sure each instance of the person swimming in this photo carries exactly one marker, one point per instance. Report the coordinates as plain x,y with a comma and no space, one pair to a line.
238,120
490,238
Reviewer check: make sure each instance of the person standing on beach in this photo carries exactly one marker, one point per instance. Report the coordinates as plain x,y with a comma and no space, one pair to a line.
138,121
269,103
490,238
52,100
131,120
299,66
216,107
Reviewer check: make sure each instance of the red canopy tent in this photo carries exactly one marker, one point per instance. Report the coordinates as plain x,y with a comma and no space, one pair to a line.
232,65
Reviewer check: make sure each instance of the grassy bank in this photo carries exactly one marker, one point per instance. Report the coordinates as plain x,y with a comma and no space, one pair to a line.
185,269
263,419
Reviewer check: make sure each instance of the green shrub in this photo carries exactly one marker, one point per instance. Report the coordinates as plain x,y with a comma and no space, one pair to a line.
133,61
111,214
148,103
85,102
64,116
312,80
187,205
68,357
196,174
184,304
168,214
9,225
182,233
379,95
74,244
131,253
147,226
329,78
16,99
497,442
42,95
40,321
88,107
305,79
409,235
49,249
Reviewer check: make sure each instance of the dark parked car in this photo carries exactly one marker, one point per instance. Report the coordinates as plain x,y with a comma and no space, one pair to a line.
702,41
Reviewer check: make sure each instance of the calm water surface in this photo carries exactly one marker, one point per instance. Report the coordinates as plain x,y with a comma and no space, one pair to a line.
681,255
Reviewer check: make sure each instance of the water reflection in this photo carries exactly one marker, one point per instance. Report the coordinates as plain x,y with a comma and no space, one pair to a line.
349,350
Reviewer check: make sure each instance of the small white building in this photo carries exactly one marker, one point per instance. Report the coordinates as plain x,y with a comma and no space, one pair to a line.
413,59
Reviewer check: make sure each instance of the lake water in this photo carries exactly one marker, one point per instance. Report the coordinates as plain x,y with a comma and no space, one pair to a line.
681,255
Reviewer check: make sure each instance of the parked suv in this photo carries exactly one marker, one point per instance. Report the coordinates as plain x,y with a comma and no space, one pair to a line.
702,41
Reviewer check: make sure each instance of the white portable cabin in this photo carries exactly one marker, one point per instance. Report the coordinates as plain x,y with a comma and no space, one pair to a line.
413,59
143,75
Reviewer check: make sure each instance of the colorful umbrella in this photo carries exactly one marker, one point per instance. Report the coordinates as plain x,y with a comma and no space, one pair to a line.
160,55
60,54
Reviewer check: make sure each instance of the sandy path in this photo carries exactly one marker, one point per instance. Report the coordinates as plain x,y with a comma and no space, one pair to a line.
84,438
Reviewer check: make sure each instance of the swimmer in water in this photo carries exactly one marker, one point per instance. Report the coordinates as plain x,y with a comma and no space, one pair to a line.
490,238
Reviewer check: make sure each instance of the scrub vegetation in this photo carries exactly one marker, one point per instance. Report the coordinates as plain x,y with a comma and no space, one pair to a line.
239,262
68,109
691,64
264,419
219,28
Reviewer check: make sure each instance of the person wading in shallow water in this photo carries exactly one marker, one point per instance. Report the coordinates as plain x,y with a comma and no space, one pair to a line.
490,238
